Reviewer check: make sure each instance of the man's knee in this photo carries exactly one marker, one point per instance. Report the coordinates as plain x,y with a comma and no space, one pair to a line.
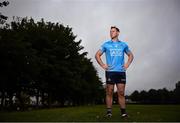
109,92
121,93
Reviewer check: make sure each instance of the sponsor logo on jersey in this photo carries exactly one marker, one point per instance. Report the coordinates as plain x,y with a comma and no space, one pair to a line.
115,52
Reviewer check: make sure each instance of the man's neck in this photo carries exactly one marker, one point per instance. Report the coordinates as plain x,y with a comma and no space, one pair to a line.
115,39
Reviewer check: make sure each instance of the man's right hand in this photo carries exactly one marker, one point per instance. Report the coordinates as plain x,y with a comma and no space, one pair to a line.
105,66
98,59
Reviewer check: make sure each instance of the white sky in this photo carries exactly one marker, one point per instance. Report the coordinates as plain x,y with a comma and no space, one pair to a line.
150,27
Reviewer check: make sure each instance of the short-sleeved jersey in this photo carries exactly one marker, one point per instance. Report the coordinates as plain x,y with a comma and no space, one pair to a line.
114,51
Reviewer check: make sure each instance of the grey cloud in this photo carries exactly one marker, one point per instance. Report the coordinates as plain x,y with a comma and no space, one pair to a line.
152,28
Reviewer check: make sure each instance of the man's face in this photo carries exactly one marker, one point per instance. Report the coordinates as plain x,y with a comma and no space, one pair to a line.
114,33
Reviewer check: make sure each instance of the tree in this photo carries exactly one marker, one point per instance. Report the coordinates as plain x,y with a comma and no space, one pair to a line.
160,96
43,59
143,96
177,92
3,18
135,96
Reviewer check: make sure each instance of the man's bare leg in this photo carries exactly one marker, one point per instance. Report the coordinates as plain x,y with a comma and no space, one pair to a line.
121,97
109,97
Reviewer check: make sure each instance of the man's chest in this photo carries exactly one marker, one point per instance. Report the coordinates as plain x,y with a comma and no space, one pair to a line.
115,50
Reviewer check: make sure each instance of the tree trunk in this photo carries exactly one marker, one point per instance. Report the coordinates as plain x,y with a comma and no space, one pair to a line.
37,99
42,96
11,100
2,99
49,99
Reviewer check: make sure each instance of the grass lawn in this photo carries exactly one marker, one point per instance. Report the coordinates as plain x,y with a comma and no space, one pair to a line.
96,113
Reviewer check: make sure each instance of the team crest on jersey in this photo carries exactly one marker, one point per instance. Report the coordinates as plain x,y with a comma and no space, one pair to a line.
115,52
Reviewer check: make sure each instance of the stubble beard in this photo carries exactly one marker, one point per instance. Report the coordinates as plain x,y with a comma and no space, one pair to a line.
115,37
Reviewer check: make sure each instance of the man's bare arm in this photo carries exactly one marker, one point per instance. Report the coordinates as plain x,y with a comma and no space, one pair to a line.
130,59
100,62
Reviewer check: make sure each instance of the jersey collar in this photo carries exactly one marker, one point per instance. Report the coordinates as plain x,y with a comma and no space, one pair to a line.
116,41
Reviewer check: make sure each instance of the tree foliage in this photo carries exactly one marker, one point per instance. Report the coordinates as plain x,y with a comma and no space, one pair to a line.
3,18
42,59
160,96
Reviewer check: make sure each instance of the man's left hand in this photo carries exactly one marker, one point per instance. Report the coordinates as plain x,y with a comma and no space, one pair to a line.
126,65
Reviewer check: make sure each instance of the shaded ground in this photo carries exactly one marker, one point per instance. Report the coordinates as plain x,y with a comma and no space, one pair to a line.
96,113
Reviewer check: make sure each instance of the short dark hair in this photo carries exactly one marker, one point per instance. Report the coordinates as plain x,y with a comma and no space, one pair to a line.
114,27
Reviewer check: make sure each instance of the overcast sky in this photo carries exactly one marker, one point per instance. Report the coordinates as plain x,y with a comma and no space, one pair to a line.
150,27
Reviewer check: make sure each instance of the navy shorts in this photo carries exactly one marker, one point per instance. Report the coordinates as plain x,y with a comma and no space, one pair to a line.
115,77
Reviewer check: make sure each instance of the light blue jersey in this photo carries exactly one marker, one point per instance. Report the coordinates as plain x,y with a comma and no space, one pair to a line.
114,51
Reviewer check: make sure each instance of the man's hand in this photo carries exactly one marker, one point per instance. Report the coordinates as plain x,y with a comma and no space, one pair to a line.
125,66
105,66
130,59
98,59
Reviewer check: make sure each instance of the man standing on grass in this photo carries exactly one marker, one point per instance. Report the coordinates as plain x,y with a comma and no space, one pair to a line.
115,69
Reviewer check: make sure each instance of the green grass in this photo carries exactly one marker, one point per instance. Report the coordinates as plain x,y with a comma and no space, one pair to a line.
96,113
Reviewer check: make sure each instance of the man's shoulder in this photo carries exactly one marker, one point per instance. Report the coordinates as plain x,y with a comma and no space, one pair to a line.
124,43
107,41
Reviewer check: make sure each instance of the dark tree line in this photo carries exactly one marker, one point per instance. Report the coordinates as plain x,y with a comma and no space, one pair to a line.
160,96
42,60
